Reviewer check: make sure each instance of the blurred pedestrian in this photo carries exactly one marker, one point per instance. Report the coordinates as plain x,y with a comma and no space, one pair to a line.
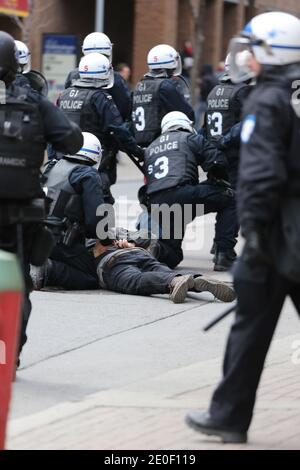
208,80
124,70
187,58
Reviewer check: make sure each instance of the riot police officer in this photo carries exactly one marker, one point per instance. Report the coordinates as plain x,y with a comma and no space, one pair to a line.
28,122
268,206
88,103
158,93
100,43
25,75
171,167
74,189
224,110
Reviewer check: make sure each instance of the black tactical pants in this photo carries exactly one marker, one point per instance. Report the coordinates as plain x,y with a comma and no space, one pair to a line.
261,293
233,178
8,242
72,268
214,199
138,273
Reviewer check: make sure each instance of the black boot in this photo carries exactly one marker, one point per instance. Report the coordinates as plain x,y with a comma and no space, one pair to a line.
224,260
204,423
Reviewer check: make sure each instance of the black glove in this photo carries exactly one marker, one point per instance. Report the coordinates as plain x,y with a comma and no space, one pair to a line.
255,247
218,172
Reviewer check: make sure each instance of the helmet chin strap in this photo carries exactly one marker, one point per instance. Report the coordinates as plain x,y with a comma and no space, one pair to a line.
159,73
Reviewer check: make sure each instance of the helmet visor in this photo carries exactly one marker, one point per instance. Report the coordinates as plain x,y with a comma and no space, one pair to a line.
25,63
241,53
178,69
110,79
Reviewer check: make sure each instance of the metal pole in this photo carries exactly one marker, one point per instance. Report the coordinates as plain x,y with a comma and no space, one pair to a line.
99,16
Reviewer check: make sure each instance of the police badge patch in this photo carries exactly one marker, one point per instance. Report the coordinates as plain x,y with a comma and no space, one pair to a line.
248,128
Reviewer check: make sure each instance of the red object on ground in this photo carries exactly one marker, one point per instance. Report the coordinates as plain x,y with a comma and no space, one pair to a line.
10,306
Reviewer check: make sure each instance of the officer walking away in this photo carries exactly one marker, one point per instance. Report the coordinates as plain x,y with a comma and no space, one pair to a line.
28,122
89,104
269,208
101,44
74,192
224,110
171,166
25,75
158,93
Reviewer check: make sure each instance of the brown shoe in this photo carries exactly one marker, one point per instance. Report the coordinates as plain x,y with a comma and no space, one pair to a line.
179,288
219,289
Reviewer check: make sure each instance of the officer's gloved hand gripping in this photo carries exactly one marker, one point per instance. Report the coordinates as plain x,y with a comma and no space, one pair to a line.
256,244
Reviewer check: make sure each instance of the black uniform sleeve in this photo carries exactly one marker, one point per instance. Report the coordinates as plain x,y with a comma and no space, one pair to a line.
64,135
232,139
86,181
121,96
265,141
113,124
73,75
208,156
172,100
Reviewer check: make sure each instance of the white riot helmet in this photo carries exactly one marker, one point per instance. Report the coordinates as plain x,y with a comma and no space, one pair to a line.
96,67
91,151
227,63
97,42
164,57
176,120
272,38
23,56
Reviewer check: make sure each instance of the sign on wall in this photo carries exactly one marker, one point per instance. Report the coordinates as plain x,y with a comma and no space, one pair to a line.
59,58
14,7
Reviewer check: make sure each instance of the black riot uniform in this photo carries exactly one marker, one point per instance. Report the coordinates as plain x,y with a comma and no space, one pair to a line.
74,189
28,121
224,110
94,110
119,92
154,97
171,166
268,271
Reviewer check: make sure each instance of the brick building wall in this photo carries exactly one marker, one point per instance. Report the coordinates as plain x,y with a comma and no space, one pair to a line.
57,16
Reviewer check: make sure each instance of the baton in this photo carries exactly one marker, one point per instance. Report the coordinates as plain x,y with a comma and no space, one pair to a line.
220,317
136,162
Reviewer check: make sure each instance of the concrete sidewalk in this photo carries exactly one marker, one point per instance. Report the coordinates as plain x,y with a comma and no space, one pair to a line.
110,371
149,414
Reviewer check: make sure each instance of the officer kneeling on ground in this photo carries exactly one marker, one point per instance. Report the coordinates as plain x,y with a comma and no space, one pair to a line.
28,121
269,211
171,166
74,191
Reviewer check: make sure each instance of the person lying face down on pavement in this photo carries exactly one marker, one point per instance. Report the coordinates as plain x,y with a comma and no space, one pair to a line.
124,267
